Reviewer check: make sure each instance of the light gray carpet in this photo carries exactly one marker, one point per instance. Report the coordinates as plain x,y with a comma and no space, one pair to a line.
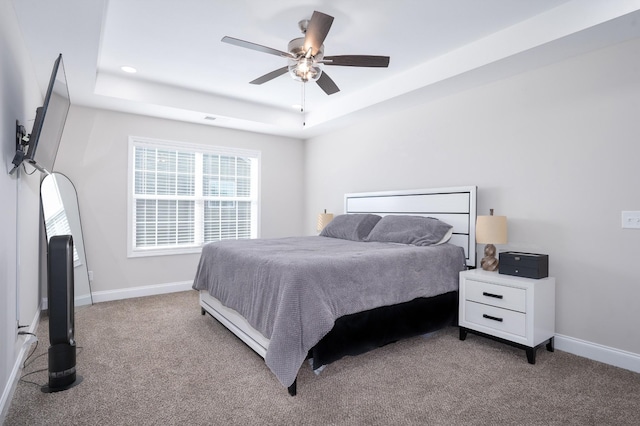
156,360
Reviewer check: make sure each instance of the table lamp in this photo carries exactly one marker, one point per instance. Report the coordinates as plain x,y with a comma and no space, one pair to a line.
323,220
491,230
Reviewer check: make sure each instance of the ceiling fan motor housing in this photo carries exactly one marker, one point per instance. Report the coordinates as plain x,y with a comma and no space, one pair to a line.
296,48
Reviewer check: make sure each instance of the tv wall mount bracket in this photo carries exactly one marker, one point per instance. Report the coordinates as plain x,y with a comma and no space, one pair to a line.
22,143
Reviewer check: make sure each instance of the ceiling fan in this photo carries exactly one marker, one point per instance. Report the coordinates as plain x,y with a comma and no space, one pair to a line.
306,55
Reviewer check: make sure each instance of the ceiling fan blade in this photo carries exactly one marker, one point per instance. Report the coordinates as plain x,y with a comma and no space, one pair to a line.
357,61
317,31
327,84
270,76
258,47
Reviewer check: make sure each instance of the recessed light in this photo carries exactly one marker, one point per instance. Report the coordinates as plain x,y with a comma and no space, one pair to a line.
130,70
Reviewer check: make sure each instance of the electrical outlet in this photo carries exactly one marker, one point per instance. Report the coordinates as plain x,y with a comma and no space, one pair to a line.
631,219
90,276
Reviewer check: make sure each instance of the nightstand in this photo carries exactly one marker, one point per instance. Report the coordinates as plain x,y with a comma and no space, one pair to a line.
513,310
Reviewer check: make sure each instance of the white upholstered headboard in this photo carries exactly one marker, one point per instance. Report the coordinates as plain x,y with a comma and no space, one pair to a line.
455,206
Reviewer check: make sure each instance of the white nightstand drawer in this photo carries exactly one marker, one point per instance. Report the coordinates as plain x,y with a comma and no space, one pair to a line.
496,295
496,318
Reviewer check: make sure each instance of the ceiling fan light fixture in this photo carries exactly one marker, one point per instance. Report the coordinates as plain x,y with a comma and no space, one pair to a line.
304,69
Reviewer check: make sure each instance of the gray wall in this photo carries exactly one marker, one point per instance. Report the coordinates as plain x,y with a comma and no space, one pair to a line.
93,154
20,211
556,150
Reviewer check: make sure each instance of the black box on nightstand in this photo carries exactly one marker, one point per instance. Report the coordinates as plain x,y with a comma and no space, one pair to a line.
528,265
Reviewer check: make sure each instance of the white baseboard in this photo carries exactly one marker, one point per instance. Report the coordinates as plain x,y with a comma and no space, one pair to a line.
128,293
596,352
79,301
83,300
147,290
7,393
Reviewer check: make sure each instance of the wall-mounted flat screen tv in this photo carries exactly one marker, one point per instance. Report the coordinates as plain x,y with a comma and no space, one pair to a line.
44,140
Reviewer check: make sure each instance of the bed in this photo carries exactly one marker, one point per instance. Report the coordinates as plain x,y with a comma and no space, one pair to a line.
384,270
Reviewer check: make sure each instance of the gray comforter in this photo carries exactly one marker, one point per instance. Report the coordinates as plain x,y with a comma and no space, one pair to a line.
293,289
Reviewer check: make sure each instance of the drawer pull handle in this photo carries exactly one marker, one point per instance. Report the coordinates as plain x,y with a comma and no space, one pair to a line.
491,318
497,296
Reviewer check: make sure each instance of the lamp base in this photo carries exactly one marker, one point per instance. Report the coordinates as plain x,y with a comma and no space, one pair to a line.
489,261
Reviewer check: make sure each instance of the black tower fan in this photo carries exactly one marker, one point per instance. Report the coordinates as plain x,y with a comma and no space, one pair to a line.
62,352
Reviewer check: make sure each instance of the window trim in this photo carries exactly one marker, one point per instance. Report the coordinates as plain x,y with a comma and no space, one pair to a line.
133,252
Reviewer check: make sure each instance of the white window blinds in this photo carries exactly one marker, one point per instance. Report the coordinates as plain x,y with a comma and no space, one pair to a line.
183,196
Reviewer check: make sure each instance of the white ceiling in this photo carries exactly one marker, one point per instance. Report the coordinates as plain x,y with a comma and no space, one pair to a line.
186,73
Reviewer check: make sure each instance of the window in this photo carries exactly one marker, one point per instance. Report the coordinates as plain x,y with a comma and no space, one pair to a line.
182,196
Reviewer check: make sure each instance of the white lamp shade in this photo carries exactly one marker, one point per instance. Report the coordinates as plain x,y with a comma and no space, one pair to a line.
323,220
491,230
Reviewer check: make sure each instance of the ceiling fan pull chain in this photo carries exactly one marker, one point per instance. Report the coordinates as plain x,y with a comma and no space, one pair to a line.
302,105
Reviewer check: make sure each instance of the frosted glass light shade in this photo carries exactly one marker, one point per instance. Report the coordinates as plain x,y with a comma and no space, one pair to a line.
304,70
